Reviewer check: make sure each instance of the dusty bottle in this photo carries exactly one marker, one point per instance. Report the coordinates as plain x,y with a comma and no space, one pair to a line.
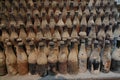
22,62
94,59
93,11
98,21
22,11
28,23
106,57
56,34
22,33
87,11
106,20
65,35
82,57
115,64
74,33
76,21
101,33
52,60
109,33
11,59
64,12
31,33
32,58
92,33
90,3
35,11
3,70
44,21
62,57
5,34
101,11
73,59
27,46
83,20
91,20
36,22
98,3
72,9
79,12
39,34
47,33
60,23
52,23
117,31
68,22
13,35
89,50
41,60
82,32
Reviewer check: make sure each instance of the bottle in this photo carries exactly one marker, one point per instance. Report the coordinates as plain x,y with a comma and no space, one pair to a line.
52,23
35,11
73,59
93,11
109,33
82,57
98,21
39,35
22,33
27,46
115,63
87,11
74,33
56,34
13,35
52,60
41,60
80,12
92,33
62,57
94,59
89,51
36,22
98,3
32,58
5,34
83,20
3,70
47,33
82,32
101,11
68,22
22,60
106,57
31,33
65,35
11,59
64,12
90,3
44,21
101,33
29,23
72,11
60,23
106,20
91,20
76,21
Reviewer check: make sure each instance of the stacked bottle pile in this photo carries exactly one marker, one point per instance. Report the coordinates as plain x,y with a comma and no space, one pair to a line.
59,36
